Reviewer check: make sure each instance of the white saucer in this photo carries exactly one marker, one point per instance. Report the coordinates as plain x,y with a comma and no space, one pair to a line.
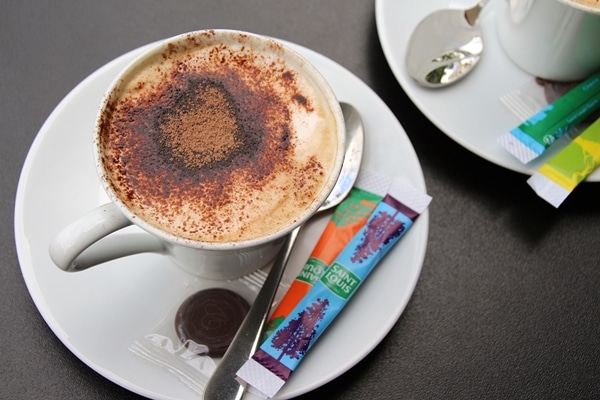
100,312
469,112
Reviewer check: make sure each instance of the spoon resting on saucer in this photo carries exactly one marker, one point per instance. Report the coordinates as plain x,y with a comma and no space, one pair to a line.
222,384
445,46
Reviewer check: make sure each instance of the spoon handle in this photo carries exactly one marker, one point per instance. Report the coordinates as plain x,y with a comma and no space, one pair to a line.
472,14
222,384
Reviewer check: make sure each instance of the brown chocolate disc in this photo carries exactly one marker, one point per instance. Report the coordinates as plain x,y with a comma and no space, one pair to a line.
211,318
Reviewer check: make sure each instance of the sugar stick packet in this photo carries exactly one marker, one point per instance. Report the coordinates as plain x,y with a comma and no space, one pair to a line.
347,219
277,358
531,138
557,178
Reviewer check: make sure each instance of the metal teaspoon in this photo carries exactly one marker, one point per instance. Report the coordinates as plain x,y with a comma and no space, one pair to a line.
445,46
222,384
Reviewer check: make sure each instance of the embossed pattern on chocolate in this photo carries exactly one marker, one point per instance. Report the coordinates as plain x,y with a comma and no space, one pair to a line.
210,319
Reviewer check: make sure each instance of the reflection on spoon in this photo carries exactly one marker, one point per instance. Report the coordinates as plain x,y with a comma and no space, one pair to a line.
445,46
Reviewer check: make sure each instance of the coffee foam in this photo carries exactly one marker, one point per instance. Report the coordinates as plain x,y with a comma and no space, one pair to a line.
272,152
592,4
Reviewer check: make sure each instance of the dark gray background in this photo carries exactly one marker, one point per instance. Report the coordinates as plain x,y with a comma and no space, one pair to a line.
508,303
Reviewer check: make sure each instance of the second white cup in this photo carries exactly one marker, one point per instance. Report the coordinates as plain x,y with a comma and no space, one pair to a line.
552,39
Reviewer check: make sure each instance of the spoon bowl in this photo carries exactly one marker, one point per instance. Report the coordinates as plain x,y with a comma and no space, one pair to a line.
222,384
445,46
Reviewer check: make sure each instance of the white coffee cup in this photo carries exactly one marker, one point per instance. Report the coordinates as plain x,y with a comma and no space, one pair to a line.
552,39
286,129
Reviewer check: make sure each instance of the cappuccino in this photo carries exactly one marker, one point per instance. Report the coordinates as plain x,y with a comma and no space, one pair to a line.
218,138
586,3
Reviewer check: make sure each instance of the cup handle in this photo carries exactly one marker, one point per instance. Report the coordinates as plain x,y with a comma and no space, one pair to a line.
67,247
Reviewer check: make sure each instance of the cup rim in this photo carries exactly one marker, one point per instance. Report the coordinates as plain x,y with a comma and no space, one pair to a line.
582,7
159,48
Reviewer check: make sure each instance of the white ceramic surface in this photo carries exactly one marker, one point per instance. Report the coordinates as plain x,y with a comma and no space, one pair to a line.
470,111
549,38
99,313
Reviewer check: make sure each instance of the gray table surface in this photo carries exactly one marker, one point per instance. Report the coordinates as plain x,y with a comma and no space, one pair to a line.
508,302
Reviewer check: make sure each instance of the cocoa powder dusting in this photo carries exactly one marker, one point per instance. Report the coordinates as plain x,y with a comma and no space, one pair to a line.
201,143
202,130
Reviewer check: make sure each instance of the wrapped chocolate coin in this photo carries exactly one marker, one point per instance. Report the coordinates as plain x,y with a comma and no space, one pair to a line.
210,319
